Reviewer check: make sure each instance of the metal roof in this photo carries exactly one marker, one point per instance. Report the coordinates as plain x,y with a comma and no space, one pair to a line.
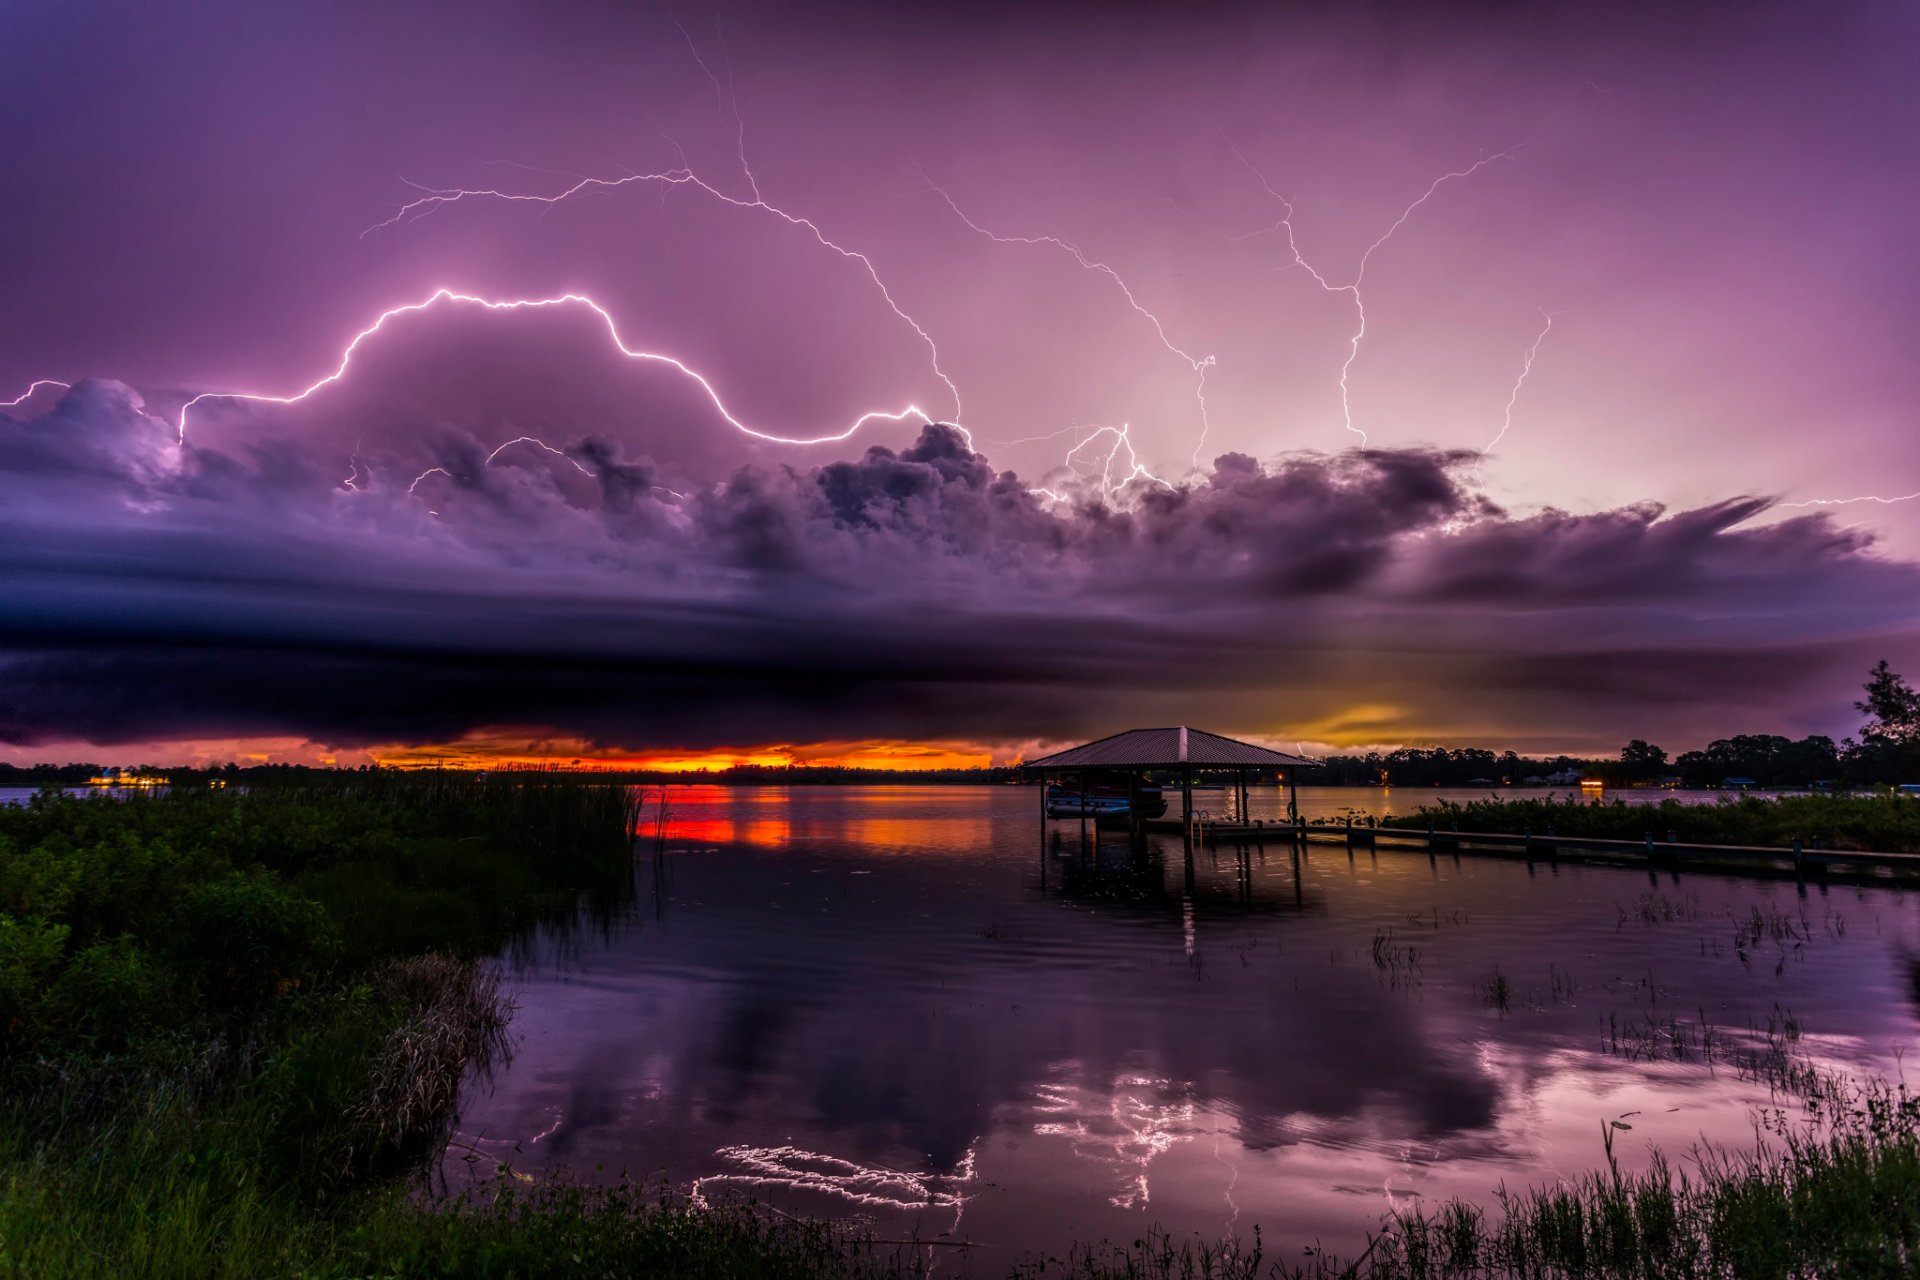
1168,748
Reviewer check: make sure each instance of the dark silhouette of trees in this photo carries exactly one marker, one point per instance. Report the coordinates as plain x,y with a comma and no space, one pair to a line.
1888,749
1641,761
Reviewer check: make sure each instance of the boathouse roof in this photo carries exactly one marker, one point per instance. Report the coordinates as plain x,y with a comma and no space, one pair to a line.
1168,749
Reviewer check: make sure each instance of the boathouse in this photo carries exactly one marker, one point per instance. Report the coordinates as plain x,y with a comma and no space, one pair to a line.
1180,752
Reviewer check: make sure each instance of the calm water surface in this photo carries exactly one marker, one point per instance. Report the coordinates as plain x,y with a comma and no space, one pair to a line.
891,1003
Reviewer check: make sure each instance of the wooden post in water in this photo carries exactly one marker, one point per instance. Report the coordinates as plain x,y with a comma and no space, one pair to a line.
1186,805
1293,795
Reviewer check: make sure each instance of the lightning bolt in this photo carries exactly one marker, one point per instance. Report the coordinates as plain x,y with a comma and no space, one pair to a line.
32,387
524,304
1199,364
437,198
1121,440
1352,289
1513,397
1845,502
428,472
723,98
532,440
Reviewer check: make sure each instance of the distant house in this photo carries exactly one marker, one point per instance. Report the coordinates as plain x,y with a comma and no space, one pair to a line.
1564,778
1533,780
1481,782
1737,783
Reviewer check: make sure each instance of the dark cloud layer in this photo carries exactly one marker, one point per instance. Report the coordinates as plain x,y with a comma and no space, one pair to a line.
159,591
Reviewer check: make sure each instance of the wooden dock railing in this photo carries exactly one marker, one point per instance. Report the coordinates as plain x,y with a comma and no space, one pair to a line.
1546,846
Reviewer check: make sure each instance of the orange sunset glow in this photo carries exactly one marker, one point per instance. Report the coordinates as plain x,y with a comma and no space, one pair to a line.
485,752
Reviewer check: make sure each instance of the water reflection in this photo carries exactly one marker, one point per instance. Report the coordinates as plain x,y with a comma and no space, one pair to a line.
904,1005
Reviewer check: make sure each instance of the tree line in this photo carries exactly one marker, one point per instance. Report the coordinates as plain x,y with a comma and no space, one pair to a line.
1886,752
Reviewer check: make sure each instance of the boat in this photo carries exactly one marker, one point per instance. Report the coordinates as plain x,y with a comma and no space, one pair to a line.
1104,801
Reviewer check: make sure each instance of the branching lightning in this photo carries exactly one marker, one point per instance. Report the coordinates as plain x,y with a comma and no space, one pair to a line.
437,198
523,304
33,387
1121,440
723,98
1199,364
1360,273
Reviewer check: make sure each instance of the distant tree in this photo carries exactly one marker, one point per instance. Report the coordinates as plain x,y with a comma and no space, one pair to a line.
1893,704
1812,759
1640,759
1888,749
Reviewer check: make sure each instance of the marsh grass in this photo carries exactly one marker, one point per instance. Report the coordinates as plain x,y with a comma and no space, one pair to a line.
1397,962
1496,992
1841,1202
226,1017
1884,823
1658,908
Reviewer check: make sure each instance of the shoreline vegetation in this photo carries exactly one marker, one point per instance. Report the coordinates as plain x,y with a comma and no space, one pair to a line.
233,1026
1885,754
1883,823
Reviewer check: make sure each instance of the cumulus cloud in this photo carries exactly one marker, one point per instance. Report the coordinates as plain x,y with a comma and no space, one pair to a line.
425,590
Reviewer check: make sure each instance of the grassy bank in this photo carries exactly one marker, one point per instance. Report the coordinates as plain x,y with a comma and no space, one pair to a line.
1883,823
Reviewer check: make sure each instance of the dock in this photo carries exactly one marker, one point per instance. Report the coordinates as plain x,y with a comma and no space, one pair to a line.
1185,753
1799,859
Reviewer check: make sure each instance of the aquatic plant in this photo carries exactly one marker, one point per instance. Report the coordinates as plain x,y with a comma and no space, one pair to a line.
1496,992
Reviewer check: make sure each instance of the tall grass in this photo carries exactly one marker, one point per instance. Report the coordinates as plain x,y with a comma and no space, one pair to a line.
228,1018
1884,823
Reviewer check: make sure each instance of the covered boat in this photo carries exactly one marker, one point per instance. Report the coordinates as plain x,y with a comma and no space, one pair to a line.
1104,801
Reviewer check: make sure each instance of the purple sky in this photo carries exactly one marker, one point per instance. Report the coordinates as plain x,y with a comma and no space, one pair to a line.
1712,209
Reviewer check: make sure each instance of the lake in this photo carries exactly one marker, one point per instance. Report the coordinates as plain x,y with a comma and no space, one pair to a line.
896,1004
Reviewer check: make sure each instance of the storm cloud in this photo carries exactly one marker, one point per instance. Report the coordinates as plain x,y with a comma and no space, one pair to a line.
160,590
